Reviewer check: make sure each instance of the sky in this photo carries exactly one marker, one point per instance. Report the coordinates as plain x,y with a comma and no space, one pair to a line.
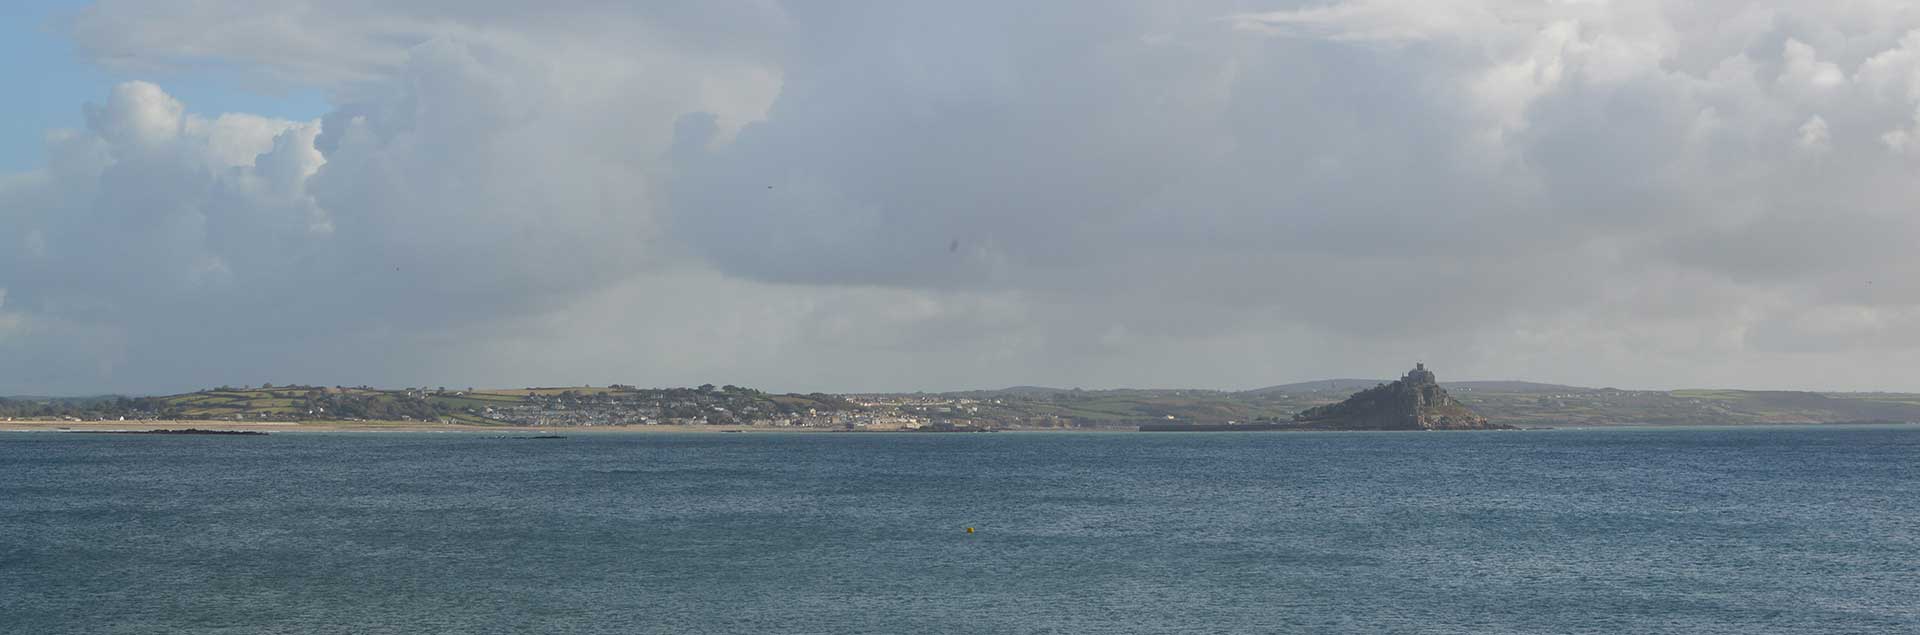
857,196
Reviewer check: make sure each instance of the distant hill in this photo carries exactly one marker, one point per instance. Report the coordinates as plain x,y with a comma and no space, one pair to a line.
561,405
1588,406
1352,385
1515,403
34,406
1319,385
83,400
1513,386
1045,391
1026,390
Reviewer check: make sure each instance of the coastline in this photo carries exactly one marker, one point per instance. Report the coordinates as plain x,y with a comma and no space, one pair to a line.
364,426
53,426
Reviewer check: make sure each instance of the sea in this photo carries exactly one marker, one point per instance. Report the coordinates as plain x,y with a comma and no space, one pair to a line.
1632,530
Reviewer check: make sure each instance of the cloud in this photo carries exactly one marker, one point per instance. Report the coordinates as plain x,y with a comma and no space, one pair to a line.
1814,135
902,196
1493,166
1372,20
349,44
482,180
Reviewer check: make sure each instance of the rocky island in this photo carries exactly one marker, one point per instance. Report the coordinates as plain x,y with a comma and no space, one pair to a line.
1414,402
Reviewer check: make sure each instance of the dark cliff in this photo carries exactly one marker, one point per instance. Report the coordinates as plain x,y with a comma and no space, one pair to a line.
1415,402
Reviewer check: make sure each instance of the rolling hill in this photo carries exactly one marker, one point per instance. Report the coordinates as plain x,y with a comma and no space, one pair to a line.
1513,403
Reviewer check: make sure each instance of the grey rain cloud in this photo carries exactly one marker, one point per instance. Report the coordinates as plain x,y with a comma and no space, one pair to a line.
900,196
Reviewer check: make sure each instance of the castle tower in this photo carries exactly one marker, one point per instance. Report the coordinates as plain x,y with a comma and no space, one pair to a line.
1419,375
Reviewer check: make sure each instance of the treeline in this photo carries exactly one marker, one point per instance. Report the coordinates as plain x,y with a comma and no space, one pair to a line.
86,407
307,403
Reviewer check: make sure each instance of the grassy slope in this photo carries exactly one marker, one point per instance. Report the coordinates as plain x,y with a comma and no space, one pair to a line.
290,402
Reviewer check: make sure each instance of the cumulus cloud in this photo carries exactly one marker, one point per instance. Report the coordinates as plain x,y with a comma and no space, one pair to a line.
904,196
484,178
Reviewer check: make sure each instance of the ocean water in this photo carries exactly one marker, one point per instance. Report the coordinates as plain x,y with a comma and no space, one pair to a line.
1774,530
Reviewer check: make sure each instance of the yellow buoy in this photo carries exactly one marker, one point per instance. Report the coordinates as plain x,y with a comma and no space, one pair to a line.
969,530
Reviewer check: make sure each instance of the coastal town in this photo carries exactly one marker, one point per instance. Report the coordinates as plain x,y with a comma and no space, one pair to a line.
730,405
